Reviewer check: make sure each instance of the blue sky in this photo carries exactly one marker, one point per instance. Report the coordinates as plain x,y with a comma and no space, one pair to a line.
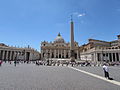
28,22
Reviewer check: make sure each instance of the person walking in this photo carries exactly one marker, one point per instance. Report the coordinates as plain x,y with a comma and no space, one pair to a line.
106,73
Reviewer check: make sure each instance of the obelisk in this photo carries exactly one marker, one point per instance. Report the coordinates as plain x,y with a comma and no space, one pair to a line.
72,54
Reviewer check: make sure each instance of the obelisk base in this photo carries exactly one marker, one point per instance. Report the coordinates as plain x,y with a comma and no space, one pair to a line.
72,58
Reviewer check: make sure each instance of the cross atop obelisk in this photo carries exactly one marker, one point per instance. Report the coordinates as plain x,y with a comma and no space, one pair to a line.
72,54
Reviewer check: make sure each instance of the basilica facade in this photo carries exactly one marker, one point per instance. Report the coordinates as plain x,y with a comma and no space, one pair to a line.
58,49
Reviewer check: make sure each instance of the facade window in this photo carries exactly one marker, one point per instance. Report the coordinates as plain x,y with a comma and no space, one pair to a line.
103,54
59,55
67,56
52,55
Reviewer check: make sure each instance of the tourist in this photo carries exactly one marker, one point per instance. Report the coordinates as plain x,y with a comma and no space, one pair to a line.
58,63
106,73
0,62
15,62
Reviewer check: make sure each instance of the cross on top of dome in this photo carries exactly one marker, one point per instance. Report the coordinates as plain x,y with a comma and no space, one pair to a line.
59,34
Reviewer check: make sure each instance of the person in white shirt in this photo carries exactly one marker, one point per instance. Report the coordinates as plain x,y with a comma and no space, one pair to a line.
105,69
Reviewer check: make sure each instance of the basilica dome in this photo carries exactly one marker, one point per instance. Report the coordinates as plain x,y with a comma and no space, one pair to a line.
59,39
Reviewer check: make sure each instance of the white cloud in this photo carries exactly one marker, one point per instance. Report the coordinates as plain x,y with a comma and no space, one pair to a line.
77,14
81,14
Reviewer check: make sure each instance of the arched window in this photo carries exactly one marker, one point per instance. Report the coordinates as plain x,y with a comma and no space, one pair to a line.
67,55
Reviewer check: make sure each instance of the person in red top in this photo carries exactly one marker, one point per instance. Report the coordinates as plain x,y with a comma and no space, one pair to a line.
0,62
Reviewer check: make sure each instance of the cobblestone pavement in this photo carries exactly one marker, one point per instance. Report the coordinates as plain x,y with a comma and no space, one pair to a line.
32,77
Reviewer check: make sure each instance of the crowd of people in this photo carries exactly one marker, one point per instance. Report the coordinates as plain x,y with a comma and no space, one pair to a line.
62,63
59,63
46,63
66,63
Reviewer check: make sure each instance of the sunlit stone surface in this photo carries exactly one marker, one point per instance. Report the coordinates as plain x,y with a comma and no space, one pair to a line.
32,77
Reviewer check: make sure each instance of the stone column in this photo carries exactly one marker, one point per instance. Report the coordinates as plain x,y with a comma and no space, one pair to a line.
94,55
41,54
54,53
58,53
7,55
119,56
109,56
69,54
3,55
112,56
64,53
95,58
77,54
115,57
10,55
61,53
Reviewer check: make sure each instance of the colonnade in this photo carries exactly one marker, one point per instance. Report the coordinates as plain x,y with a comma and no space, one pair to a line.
11,55
106,56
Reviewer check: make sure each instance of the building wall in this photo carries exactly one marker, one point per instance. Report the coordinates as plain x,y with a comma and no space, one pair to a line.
57,50
102,55
96,51
14,53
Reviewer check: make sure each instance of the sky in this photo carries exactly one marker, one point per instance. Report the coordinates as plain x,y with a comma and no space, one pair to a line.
29,22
